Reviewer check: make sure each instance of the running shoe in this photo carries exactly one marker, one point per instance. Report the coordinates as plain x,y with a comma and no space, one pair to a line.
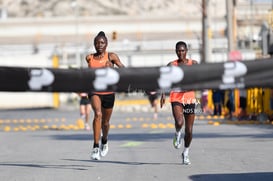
185,159
95,155
155,116
104,149
87,127
177,140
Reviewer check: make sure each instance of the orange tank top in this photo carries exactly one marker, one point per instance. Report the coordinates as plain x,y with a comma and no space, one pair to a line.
184,97
99,63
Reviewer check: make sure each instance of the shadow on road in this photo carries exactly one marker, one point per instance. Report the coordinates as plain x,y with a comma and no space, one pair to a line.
262,176
123,162
158,136
70,167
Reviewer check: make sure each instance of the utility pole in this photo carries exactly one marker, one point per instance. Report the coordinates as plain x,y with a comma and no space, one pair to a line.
206,33
75,5
229,9
251,24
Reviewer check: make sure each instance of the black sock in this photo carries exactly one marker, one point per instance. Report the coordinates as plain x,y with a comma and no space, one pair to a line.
96,145
103,141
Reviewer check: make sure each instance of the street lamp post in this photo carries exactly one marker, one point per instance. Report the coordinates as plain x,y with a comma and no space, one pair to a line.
74,5
229,8
206,32
251,24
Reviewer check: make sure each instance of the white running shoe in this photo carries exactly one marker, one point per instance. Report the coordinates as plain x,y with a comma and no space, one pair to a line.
104,149
95,155
87,127
155,116
185,159
177,140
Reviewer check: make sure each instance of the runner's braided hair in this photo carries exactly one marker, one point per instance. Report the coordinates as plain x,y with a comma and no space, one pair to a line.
101,34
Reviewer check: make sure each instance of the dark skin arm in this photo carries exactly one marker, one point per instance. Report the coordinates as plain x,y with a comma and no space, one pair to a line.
194,62
87,58
114,60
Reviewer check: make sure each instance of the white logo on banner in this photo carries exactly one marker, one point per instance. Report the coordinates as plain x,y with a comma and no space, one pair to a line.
105,77
169,75
232,71
40,78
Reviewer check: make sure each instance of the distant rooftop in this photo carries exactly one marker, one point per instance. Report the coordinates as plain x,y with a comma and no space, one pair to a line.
87,8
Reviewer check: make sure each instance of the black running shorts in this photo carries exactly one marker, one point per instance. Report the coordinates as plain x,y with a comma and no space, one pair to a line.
107,100
84,101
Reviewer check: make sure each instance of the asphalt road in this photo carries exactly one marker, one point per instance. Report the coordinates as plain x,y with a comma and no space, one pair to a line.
47,144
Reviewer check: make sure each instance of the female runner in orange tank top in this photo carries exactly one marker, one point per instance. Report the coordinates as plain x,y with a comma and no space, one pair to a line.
183,105
102,102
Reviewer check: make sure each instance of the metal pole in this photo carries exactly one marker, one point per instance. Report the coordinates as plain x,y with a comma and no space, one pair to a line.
265,33
251,24
76,14
205,32
229,9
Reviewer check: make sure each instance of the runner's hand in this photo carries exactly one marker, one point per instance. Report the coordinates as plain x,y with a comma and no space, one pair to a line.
162,100
109,64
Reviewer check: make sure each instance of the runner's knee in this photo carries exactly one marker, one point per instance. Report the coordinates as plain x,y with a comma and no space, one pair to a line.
98,115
